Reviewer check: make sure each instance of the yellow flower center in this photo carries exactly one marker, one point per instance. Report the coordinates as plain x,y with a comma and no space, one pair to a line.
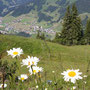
29,63
2,85
38,70
32,62
22,78
34,71
15,53
72,74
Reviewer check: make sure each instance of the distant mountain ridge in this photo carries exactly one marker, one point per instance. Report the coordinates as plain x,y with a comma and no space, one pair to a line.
8,5
47,10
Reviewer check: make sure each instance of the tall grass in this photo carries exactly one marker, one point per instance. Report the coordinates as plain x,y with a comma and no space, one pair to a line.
62,58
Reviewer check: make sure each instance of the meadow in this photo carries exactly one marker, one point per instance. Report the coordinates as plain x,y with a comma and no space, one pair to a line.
54,59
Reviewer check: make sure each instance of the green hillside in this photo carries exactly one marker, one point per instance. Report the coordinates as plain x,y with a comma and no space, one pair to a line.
62,57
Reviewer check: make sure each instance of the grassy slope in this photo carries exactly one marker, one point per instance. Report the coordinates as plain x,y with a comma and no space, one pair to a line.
62,57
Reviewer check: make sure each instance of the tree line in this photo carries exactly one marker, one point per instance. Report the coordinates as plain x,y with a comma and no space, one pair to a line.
72,32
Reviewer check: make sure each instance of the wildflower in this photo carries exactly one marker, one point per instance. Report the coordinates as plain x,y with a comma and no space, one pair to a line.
85,82
30,61
45,88
55,83
72,75
35,70
37,86
30,71
74,87
26,62
49,82
53,71
1,85
15,52
34,60
23,77
40,69
85,76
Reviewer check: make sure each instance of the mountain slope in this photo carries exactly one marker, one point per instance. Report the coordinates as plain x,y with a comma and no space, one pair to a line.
45,13
41,5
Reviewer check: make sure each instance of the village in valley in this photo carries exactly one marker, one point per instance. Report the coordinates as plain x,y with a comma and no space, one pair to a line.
16,26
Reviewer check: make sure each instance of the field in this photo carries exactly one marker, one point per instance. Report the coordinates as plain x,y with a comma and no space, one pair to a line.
53,57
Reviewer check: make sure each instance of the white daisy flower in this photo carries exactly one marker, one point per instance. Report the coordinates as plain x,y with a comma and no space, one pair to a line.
85,82
26,62
34,60
37,86
1,85
35,70
23,77
30,71
74,87
72,75
85,76
15,52
46,89
53,71
40,69
30,61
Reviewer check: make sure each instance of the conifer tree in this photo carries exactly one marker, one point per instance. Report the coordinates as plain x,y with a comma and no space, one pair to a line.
66,27
57,37
87,32
76,28
72,28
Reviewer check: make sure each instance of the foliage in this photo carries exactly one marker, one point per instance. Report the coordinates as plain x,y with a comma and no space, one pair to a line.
72,28
87,32
57,38
40,35
66,27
